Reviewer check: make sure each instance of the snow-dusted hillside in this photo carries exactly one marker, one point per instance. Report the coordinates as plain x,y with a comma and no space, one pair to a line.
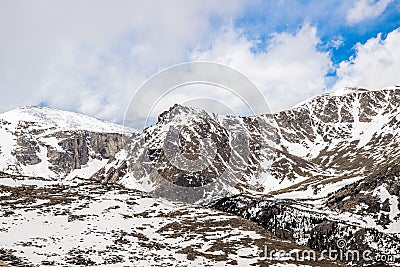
45,118
352,131
50,143
84,223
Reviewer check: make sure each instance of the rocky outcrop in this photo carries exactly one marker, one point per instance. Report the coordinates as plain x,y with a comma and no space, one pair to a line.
51,143
113,173
78,147
376,196
292,221
27,146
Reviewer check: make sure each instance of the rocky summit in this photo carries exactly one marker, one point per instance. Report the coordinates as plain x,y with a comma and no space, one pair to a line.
322,175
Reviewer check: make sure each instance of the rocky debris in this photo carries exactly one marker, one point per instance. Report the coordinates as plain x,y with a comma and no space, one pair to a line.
113,174
363,197
293,221
386,205
85,223
7,255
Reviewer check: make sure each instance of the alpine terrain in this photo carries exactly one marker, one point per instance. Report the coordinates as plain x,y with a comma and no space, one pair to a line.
204,189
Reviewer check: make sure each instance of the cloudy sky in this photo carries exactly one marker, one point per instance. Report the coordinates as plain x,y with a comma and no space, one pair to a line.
91,56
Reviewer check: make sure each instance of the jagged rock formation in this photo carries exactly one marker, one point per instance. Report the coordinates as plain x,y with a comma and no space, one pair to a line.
338,135
52,144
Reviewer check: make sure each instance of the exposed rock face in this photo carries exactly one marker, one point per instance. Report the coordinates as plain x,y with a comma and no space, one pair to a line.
107,144
79,147
112,174
190,148
27,150
190,138
51,143
343,133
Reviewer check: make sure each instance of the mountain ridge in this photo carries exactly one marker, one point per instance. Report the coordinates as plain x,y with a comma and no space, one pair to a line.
299,135
309,175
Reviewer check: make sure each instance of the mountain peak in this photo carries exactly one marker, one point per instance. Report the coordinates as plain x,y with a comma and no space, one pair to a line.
180,112
46,118
354,89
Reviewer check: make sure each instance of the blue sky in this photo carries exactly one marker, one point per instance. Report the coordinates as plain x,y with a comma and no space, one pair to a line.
91,56
267,17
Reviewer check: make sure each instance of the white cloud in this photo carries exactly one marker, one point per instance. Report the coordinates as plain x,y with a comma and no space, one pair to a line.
338,42
376,64
366,9
291,70
90,56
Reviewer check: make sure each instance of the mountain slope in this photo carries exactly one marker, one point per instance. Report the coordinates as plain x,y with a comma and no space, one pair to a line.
84,223
347,134
338,135
344,133
51,143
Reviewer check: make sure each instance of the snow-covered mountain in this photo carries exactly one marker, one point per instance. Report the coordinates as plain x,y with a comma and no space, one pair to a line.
50,143
336,138
327,168
347,134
